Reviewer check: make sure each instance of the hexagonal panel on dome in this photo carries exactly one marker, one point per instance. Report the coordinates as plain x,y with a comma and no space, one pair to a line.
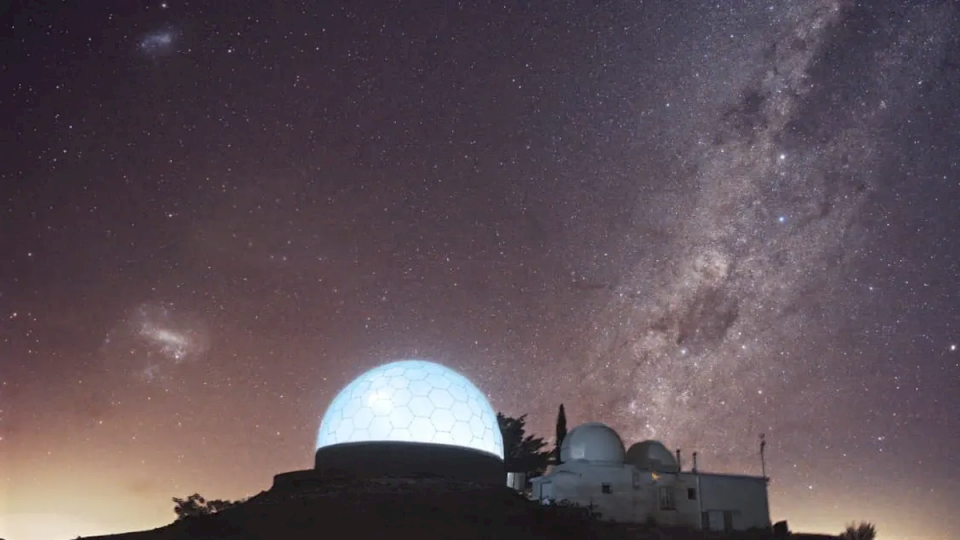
441,399
394,372
459,393
401,397
412,401
420,388
460,431
421,406
461,411
422,429
443,420
437,380
401,434
380,427
444,437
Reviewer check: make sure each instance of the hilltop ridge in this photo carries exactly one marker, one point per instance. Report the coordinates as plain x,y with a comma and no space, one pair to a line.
425,509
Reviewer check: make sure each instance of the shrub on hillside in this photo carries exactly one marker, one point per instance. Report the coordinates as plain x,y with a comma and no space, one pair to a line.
863,531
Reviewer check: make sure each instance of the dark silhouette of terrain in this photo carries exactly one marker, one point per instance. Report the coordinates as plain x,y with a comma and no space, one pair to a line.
416,508
423,509
318,504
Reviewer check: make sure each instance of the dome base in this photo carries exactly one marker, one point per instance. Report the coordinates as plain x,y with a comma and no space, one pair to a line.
304,480
377,459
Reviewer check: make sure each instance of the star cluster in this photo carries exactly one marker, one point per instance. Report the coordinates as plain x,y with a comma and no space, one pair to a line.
697,222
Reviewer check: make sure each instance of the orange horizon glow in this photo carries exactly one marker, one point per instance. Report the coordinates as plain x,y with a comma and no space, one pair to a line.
110,507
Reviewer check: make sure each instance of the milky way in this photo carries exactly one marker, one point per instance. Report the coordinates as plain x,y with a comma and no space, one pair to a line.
706,346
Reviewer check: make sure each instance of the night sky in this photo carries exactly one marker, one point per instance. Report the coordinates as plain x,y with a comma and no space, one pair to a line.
697,222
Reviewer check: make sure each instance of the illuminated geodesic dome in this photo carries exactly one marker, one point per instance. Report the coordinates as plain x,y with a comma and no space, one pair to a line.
412,401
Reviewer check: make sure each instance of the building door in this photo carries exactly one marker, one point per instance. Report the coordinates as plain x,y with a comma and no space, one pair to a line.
546,491
713,520
727,521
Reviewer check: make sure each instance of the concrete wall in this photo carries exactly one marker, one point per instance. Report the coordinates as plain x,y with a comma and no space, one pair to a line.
635,496
686,511
744,498
583,484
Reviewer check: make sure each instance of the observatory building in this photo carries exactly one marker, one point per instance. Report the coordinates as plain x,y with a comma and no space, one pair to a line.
411,419
645,483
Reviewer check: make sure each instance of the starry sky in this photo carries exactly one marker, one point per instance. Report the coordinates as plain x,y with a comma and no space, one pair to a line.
697,222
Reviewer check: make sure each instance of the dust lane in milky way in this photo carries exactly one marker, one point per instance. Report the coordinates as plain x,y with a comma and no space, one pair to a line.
764,256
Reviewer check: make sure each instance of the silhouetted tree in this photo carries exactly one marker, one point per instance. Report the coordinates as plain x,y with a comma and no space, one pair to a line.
192,506
561,433
218,505
863,531
521,452
195,505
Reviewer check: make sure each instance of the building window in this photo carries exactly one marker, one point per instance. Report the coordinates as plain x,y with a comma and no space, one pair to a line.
666,498
692,494
606,488
636,480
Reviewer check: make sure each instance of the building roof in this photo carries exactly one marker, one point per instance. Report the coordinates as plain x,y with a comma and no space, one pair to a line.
727,475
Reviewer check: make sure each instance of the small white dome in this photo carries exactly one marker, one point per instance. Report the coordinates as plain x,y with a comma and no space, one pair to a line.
593,441
652,456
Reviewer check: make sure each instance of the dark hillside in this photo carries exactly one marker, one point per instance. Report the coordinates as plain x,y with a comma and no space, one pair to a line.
420,509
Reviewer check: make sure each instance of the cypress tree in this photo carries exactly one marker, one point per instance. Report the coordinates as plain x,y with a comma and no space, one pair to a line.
561,432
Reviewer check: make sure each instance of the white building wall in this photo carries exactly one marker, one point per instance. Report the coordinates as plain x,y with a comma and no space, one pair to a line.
584,484
634,496
717,502
740,501
685,511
